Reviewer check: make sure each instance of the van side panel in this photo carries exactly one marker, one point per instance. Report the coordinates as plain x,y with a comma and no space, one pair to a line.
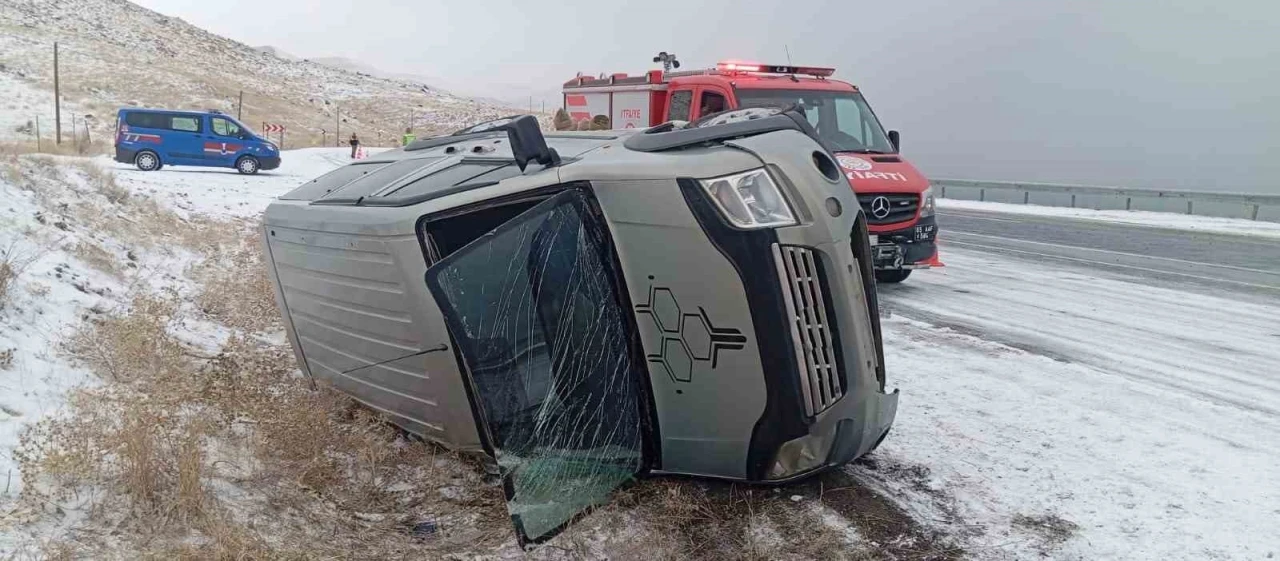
361,318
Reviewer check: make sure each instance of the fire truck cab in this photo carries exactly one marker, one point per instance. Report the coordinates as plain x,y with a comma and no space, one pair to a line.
895,196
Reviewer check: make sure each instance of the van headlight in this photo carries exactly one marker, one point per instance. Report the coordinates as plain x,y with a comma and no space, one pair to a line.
750,200
927,206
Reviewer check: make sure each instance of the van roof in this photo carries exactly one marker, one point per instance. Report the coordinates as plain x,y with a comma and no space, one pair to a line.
438,167
179,111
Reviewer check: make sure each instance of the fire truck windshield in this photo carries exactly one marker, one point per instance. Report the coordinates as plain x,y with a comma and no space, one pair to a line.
843,119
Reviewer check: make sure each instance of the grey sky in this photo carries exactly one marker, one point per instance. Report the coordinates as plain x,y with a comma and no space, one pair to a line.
1163,94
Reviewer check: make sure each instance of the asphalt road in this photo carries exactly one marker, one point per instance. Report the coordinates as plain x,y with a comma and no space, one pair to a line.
1124,378
1157,255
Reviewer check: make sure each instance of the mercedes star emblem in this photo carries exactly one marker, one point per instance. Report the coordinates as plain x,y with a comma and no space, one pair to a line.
880,207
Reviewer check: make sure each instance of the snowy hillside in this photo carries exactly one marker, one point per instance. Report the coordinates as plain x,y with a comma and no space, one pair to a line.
114,53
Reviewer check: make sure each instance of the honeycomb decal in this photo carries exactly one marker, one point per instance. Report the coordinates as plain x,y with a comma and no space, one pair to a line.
688,336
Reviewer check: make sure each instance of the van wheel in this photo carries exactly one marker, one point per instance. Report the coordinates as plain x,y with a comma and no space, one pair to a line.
892,276
247,165
147,161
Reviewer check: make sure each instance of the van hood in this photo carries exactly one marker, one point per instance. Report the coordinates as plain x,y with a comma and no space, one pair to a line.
881,173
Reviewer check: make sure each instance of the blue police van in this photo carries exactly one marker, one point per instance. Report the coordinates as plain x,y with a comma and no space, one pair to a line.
154,138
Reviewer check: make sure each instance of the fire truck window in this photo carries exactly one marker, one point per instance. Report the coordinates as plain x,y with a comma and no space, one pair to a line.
843,119
680,102
711,103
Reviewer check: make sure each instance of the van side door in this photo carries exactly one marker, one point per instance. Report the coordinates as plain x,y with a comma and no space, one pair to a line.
224,142
559,380
183,138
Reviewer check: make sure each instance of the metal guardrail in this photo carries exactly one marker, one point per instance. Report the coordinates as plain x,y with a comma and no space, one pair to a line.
1252,203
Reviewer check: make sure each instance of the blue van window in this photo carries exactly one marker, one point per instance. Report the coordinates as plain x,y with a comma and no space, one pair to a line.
224,127
186,124
147,120
164,121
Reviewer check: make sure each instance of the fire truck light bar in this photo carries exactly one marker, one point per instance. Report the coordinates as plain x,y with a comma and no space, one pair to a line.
731,67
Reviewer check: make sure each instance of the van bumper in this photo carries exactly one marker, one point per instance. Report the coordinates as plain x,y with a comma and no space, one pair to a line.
125,155
848,431
269,163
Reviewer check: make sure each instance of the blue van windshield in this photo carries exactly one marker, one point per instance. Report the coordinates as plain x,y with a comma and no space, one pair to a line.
226,126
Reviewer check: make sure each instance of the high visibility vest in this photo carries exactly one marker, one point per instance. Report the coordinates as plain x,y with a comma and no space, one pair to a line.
407,138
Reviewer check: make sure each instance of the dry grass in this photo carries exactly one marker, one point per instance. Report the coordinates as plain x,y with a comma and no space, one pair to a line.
1053,530
235,287
101,179
95,256
313,475
14,261
48,146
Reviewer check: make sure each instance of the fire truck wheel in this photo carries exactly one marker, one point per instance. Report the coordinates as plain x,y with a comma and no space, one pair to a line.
247,165
147,160
892,276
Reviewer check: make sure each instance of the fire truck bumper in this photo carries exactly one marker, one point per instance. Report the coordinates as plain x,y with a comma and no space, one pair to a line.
914,247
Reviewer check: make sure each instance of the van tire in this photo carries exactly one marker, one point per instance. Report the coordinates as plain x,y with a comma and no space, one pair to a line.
892,276
247,165
147,160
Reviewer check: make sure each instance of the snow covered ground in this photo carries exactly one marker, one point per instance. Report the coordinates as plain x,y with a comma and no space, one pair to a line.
1170,220
1055,409
58,288
224,192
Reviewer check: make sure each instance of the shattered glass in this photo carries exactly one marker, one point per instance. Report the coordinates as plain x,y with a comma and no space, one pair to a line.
534,309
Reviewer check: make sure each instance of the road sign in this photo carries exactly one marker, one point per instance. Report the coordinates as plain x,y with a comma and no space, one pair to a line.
272,127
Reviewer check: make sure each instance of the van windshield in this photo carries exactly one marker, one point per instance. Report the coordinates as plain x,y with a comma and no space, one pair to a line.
843,119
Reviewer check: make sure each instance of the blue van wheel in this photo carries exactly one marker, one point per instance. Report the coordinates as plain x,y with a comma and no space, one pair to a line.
247,165
147,160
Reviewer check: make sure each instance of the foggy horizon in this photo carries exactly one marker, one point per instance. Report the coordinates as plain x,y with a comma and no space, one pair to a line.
1084,92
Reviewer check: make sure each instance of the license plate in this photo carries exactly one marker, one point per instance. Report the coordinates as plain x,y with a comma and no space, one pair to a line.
874,239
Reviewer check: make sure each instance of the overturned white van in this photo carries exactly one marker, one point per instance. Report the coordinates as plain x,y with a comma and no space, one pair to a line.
584,308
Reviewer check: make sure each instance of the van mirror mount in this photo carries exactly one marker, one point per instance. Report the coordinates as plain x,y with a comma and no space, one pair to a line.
527,142
896,140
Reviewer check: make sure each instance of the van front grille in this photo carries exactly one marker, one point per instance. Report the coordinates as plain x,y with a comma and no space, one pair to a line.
811,331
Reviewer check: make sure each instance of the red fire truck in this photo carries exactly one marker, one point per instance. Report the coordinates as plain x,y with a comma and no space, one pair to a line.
895,197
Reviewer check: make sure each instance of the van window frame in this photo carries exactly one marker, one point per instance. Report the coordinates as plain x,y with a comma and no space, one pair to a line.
198,119
213,129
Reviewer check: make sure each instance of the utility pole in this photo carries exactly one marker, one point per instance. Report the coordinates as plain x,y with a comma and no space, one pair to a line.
38,134
337,133
75,138
57,98
240,106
